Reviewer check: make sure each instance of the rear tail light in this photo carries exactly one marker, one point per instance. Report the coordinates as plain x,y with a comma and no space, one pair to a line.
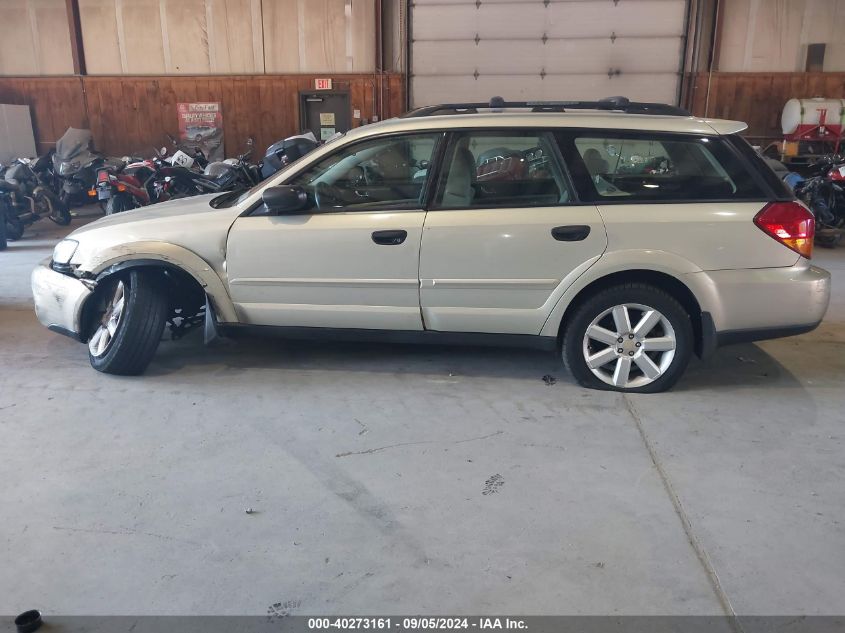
791,224
102,176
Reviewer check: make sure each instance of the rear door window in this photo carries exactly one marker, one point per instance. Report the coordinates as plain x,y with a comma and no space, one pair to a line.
502,168
631,167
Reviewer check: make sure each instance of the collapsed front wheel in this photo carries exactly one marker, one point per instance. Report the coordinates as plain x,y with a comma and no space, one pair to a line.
632,338
130,316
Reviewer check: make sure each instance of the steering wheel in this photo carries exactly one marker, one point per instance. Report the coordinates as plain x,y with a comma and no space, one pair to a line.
326,195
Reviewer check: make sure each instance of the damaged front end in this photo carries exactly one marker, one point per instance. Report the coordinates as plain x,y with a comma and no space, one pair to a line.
60,298
67,300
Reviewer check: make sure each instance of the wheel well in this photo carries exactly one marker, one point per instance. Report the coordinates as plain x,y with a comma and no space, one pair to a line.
667,283
185,294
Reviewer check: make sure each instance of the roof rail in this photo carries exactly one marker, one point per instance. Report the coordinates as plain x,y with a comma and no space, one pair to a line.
497,104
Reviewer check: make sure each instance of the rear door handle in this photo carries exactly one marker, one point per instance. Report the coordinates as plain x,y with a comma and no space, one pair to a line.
389,238
571,233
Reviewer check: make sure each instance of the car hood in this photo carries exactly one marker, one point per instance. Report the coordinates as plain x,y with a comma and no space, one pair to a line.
173,210
191,223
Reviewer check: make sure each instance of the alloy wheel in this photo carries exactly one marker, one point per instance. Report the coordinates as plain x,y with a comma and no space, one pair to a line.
102,338
629,345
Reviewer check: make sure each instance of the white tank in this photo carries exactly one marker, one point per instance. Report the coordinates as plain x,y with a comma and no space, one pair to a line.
805,112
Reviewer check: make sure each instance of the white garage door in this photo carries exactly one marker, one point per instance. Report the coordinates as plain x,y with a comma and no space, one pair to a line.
471,50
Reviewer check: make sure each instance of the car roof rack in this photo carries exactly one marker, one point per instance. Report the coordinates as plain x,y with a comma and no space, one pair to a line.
609,104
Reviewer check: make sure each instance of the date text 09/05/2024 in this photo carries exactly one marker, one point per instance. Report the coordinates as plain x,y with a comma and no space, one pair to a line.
416,623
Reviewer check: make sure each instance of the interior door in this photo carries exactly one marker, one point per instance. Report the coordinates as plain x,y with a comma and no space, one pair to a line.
352,259
503,235
325,113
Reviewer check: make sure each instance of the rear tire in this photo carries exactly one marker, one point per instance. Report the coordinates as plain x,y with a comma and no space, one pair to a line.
119,204
633,338
125,340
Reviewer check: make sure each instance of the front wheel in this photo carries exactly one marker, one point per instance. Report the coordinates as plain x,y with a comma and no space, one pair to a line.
14,227
633,338
131,315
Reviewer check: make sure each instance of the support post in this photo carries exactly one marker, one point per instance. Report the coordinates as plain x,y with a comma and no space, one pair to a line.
75,31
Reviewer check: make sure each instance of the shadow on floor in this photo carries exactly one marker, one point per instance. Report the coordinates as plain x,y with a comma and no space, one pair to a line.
736,367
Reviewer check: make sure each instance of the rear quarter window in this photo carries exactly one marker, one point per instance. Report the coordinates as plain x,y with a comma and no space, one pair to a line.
652,167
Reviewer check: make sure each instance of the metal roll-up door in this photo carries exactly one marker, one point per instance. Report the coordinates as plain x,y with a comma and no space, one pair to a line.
470,50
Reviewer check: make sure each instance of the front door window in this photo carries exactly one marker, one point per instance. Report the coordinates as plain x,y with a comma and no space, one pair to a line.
383,173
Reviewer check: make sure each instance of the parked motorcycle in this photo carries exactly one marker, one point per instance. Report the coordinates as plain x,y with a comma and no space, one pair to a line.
76,164
178,179
287,151
26,198
824,194
126,188
187,174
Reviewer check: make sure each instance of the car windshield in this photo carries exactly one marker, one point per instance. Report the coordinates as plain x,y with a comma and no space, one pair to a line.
230,200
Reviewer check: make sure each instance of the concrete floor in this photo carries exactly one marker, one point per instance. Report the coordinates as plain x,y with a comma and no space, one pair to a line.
405,479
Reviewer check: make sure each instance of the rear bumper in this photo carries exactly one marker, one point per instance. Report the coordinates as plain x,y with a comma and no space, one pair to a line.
739,306
59,299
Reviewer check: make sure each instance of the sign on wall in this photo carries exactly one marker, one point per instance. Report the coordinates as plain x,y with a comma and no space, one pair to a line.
201,126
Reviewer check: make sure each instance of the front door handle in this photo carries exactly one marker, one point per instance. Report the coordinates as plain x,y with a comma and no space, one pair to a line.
389,238
571,233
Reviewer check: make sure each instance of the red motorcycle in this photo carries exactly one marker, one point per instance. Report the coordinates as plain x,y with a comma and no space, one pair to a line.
125,188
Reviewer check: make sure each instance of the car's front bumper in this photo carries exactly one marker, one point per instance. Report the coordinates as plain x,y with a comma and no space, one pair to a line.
59,299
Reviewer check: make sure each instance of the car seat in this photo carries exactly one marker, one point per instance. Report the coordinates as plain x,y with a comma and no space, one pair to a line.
459,191
596,165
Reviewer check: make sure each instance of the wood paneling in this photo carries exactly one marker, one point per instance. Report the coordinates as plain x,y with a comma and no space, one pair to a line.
758,98
131,115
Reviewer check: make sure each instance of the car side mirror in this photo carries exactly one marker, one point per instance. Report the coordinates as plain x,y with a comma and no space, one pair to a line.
284,200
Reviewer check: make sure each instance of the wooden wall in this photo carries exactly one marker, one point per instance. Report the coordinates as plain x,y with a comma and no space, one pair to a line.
130,115
757,98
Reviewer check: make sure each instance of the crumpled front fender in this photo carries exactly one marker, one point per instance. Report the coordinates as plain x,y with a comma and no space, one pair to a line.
144,253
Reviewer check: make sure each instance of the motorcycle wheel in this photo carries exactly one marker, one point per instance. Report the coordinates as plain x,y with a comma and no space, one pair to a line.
14,228
829,240
56,210
118,204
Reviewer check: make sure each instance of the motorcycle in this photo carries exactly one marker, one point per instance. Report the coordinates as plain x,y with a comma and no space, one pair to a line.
824,194
143,182
177,178
76,166
161,178
126,188
26,198
285,152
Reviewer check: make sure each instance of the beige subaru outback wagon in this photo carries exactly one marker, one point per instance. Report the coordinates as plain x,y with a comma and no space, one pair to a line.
625,236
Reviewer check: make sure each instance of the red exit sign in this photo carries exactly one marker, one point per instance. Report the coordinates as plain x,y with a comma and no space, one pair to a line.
322,84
